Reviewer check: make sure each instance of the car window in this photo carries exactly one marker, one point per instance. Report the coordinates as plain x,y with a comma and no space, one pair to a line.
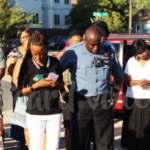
63,40
53,39
117,46
19,43
14,44
5,43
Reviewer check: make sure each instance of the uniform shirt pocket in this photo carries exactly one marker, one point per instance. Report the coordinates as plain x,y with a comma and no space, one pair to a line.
84,69
104,72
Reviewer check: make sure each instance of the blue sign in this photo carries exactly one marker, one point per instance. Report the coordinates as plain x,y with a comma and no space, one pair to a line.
96,14
104,14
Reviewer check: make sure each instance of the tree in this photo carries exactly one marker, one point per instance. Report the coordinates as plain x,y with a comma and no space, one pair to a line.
140,4
115,21
118,12
81,13
12,17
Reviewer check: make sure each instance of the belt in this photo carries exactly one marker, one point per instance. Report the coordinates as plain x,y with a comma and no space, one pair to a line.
79,96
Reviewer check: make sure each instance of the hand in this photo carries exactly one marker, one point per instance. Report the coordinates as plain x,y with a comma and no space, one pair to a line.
43,83
66,88
53,83
143,83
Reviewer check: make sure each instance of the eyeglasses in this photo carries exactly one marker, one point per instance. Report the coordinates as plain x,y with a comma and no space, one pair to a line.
144,53
26,36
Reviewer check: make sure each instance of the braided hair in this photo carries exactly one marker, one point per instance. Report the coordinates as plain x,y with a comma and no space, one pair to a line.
38,39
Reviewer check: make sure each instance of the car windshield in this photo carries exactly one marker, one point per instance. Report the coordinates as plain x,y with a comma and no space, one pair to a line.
53,39
5,43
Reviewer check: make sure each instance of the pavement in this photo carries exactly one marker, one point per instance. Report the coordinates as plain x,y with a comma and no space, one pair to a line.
10,144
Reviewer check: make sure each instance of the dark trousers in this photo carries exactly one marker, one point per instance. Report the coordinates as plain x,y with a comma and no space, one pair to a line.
86,111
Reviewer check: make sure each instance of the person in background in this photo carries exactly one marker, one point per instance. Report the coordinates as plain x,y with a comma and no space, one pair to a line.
74,37
2,73
136,122
102,26
91,76
23,34
43,111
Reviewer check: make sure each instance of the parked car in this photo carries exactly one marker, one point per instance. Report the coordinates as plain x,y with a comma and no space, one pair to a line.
8,45
122,44
57,42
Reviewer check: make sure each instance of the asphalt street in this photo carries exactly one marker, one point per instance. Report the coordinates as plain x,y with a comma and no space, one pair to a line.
10,144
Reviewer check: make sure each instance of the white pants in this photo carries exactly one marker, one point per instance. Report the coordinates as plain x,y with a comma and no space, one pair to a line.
37,124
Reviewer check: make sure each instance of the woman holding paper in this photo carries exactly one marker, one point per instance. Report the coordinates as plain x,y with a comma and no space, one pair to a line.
43,111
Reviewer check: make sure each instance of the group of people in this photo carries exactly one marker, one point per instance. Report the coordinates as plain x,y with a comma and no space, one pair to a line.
81,93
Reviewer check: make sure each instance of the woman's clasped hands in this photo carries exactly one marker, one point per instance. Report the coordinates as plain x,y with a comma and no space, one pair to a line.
46,83
143,83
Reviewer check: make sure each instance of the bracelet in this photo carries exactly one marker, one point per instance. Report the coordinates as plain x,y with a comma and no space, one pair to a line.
1,116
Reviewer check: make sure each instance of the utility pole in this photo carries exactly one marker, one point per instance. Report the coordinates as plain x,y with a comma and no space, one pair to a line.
130,17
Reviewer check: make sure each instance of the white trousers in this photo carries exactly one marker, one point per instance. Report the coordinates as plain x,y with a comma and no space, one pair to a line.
37,124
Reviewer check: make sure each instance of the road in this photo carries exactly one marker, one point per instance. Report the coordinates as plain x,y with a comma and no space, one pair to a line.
10,144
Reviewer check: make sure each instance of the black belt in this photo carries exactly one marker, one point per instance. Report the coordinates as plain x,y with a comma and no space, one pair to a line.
81,97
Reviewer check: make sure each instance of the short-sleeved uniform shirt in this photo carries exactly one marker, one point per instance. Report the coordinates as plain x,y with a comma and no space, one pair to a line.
87,79
45,100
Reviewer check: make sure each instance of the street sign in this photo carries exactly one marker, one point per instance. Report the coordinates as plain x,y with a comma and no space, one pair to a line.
96,14
104,14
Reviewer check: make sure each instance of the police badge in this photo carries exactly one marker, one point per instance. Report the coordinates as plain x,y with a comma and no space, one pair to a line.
97,62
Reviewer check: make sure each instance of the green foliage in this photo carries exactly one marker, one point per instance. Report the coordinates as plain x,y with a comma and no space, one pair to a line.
81,13
140,4
114,22
118,12
12,17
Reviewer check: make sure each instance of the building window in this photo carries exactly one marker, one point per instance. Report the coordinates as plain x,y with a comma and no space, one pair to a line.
66,20
138,29
56,1
66,1
56,19
36,18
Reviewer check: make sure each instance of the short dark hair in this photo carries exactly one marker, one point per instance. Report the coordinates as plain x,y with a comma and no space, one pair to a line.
23,28
138,46
102,26
75,32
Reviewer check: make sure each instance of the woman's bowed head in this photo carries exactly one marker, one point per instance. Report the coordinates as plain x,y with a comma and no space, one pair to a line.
37,44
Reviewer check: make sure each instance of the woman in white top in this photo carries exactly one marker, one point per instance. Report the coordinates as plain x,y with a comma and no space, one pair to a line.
136,125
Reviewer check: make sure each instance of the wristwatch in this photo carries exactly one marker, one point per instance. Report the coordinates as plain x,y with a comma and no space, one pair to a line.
1,116
31,88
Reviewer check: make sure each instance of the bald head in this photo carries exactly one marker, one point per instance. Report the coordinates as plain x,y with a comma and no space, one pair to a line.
75,39
92,40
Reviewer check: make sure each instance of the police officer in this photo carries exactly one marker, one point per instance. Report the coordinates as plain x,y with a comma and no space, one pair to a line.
91,78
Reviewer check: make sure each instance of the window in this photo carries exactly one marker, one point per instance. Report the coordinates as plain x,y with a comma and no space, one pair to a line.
138,29
56,1
56,19
36,18
66,1
66,20
15,43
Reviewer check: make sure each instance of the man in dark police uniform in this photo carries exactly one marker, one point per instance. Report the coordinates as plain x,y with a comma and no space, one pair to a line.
90,68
